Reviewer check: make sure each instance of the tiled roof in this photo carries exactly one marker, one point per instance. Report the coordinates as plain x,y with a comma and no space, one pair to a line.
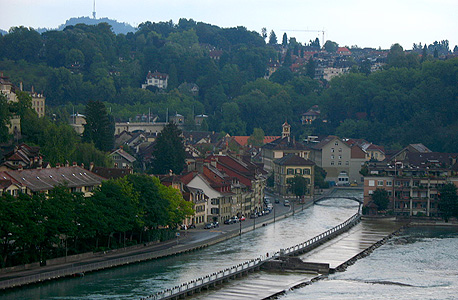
46,179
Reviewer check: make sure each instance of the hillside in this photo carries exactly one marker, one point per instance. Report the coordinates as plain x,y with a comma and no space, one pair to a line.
231,68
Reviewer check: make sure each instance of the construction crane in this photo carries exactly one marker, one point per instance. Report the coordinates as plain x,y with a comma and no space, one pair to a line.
306,30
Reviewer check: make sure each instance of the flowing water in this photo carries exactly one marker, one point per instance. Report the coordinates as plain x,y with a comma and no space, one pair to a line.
139,280
422,263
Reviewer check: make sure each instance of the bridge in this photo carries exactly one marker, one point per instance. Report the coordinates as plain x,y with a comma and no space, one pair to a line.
360,201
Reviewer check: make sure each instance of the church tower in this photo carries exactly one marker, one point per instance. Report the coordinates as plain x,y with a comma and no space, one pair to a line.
286,132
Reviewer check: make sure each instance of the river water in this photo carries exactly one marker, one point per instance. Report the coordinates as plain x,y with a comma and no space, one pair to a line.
422,263
139,280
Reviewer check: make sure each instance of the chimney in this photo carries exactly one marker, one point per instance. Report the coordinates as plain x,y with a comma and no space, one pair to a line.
58,165
20,86
91,166
33,90
82,165
74,164
20,168
67,164
170,173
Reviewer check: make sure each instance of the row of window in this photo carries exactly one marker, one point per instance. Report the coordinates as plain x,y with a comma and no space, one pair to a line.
339,163
291,171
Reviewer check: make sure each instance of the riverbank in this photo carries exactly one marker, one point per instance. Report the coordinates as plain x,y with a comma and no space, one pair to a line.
189,240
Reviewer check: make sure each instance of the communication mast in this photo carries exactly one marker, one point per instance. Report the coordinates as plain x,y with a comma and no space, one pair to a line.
93,12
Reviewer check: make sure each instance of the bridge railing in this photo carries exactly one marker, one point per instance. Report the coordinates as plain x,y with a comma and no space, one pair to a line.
206,280
248,265
322,236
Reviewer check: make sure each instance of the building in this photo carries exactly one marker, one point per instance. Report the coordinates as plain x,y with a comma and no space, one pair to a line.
310,115
289,166
334,156
281,147
22,156
33,181
77,122
38,102
156,79
122,159
412,184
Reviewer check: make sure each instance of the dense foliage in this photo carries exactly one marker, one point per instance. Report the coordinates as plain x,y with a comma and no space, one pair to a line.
83,63
126,211
168,152
448,201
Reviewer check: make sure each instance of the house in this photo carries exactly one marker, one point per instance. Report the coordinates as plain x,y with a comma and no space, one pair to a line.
248,181
9,90
199,119
219,198
77,122
33,181
281,147
289,166
343,51
310,115
242,140
199,200
177,119
22,156
122,159
334,156
38,102
156,79
111,173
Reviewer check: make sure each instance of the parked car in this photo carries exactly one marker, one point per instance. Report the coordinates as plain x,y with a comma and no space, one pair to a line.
209,226
253,216
228,221
277,200
286,203
215,224
242,218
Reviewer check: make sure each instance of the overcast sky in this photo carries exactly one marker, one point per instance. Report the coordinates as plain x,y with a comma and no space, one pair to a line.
365,23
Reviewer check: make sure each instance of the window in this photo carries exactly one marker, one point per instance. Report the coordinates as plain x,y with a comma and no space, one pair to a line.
298,171
380,183
332,150
347,163
339,163
388,183
340,156
332,163
371,192
336,143
332,156
340,149
306,171
290,171
371,182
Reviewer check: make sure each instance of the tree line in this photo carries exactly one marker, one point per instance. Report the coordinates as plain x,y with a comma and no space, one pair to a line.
122,212
83,63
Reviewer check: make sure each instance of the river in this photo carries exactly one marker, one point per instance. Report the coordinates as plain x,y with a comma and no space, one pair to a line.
139,280
422,263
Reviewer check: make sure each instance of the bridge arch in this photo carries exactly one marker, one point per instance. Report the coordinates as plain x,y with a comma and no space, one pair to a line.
317,200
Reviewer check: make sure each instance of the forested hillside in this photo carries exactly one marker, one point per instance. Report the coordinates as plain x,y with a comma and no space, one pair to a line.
413,100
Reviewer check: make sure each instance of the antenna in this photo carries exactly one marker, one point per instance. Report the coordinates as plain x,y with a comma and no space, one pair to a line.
93,12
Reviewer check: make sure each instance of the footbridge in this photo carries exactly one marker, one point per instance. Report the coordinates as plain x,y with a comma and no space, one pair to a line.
317,200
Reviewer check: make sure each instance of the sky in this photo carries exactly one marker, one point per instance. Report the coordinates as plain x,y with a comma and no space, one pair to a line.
363,23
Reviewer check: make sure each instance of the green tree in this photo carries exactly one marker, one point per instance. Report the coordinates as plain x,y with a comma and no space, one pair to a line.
319,178
310,68
380,198
169,153
448,201
331,46
272,38
99,127
256,139
5,116
298,185
284,40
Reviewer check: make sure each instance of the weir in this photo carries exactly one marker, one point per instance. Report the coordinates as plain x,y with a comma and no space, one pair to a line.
209,281
312,260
